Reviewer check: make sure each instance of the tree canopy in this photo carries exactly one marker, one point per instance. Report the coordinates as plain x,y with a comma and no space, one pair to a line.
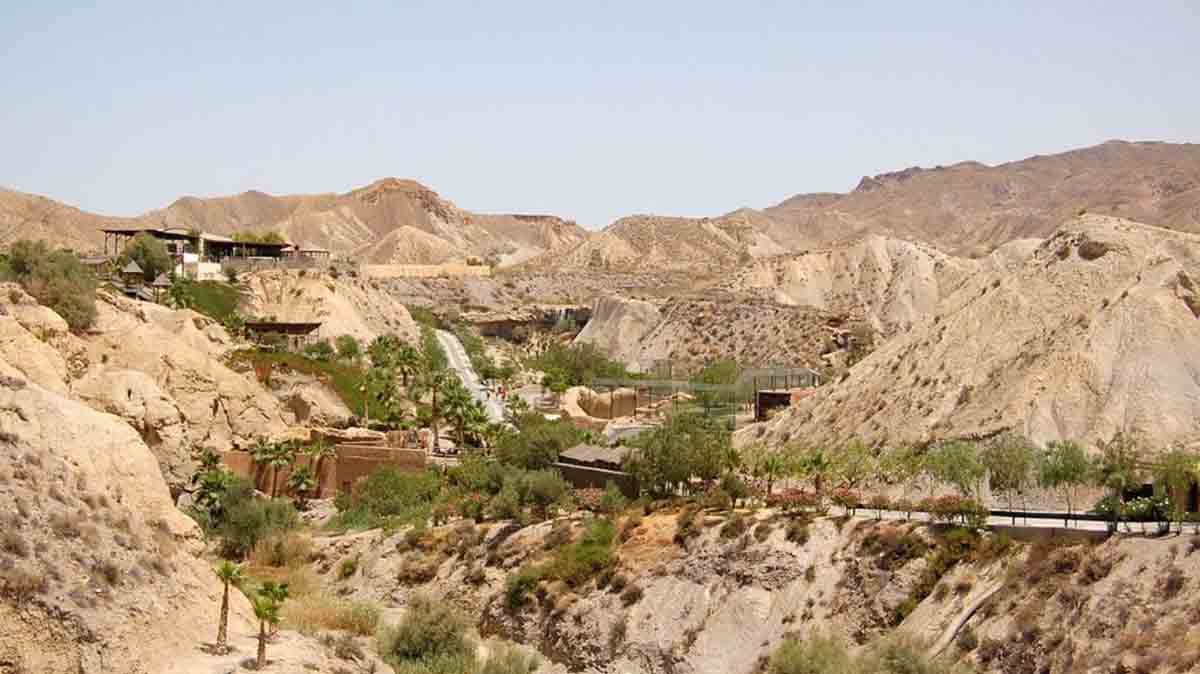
56,279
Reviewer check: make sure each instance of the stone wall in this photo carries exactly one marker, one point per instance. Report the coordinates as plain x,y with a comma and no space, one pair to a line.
353,462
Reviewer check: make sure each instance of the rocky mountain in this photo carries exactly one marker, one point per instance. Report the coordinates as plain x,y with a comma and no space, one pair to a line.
967,209
388,221
1096,331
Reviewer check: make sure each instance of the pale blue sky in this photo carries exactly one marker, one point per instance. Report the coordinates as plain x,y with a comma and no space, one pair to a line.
586,110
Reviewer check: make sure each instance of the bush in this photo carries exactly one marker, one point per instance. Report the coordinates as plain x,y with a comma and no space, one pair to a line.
347,568
733,527
320,350
56,279
816,655
631,595
348,348
797,532
577,563
430,630
249,521
519,585
509,660
685,526
612,501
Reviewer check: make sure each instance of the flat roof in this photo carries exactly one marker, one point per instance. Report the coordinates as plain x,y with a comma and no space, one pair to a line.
595,454
181,233
286,327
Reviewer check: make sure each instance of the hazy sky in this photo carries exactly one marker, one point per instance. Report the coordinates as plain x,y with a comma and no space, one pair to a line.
586,110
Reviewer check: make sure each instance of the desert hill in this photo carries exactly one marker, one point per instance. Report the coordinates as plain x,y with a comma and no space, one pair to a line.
388,221
967,209
1097,331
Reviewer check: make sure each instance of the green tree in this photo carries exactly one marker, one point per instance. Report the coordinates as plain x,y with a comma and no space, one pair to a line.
149,253
319,452
956,463
766,464
432,381
903,465
1064,466
456,408
688,445
1118,469
266,611
811,464
348,348
1009,460
1174,471
277,593
854,464
229,574
56,279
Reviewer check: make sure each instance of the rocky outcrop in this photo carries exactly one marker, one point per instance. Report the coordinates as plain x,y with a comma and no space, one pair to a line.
117,584
180,351
618,325
137,399
362,308
1089,335
893,284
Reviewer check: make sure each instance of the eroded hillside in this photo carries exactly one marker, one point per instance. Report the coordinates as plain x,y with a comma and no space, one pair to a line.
1095,332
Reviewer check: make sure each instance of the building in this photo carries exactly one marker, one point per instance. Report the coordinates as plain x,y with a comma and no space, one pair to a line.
198,255
594,467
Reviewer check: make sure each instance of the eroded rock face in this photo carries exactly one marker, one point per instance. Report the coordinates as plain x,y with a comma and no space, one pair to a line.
617,327
1090,335
134,397
119,587
181,352
361,308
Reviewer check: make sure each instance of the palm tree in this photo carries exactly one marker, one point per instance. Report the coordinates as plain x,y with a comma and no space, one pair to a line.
456,406
318,452
407,361
266,610
300,483
282,455
276,593
229,574
261,452
434,379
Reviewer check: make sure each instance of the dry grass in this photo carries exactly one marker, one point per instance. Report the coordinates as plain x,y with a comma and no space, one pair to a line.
318,612
417,569
302,580
282,551
64,526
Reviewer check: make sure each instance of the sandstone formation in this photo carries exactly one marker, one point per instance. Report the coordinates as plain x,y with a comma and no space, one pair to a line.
893,284
119,587
618,325
1098,331
357,307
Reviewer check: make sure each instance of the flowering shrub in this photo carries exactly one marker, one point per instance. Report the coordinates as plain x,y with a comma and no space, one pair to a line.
793,500
846,498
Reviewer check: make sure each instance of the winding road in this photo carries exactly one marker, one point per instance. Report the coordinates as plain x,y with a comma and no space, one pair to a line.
461,364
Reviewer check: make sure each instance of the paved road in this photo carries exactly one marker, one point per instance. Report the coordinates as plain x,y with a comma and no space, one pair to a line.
461,364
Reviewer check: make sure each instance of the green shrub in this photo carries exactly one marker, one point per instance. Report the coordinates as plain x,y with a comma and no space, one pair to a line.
733,527
430,630
519,585
631,595
348,348
816,655
347,568
149,253
320,350
509,660
612,501
579,562
251,520
797,532
56,279
546,488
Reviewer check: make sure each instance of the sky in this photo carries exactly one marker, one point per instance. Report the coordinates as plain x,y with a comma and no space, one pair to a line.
590,111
